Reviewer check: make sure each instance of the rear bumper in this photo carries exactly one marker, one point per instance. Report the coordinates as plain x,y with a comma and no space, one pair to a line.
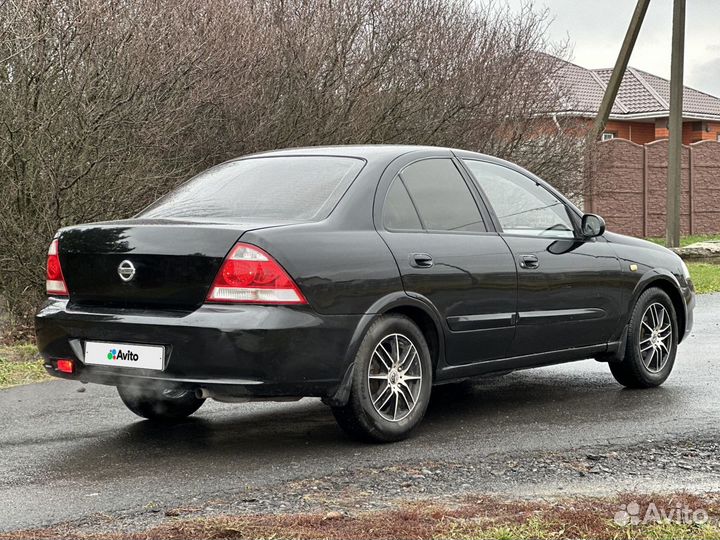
253,351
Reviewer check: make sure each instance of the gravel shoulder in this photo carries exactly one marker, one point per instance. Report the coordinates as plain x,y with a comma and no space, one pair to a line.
650,471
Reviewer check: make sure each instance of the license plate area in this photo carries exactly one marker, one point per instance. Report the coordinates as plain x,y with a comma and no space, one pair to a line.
130,355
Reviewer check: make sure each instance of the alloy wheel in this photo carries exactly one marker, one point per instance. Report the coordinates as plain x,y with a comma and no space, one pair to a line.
394,377
656,335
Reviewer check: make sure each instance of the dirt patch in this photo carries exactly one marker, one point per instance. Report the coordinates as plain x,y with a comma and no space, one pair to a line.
469,517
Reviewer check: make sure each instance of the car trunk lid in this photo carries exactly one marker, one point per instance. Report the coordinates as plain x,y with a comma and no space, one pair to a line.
147,262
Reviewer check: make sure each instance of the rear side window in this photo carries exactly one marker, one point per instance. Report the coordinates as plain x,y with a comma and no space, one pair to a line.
399,212
441,196
304,188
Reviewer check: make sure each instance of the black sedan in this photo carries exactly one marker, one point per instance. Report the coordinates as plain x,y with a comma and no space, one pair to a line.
360,274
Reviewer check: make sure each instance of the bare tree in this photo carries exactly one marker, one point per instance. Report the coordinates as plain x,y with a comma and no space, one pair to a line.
106,105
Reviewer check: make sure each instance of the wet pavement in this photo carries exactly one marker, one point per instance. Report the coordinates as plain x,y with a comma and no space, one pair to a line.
66,454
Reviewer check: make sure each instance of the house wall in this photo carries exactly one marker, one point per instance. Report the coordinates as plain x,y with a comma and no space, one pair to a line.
711,132
637,132
694,131
644,132
628,187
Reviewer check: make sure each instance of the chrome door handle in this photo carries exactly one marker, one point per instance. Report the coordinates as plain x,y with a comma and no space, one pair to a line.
420,260
529,262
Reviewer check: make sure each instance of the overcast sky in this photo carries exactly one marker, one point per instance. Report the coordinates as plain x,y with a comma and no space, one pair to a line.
596,29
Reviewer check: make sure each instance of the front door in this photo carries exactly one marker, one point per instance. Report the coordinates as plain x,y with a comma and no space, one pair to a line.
434,227
568,294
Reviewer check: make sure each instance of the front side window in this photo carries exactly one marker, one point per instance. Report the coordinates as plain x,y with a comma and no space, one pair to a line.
442,198
522,206
304,188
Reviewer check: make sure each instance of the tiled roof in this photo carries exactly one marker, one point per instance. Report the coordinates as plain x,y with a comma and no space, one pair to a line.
641,95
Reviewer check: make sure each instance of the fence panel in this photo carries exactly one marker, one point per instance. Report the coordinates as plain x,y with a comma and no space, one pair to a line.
629,182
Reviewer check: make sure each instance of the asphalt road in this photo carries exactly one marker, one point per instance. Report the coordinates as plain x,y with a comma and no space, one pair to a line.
66,454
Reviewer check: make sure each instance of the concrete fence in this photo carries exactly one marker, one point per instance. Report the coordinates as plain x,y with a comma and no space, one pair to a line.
630,182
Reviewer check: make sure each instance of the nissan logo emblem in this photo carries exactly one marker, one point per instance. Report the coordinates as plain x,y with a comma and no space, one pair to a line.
126,270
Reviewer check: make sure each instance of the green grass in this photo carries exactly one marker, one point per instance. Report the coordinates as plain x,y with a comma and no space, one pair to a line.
706,277
535,528
669,530
687,240
20,364
538,529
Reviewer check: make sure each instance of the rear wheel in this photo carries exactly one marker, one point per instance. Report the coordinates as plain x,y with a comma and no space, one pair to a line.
651,342
160,404
391,385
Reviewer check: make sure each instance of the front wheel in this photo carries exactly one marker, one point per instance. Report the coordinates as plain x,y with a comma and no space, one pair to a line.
160,404
651,342
391,385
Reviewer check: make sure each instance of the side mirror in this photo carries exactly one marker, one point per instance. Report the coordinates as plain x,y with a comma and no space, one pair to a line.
592,225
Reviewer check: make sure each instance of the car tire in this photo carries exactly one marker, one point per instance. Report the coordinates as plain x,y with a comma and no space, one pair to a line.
651,342
160,404
391,382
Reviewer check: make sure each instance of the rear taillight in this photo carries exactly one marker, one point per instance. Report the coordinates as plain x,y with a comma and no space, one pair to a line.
250,276
54,281
65,366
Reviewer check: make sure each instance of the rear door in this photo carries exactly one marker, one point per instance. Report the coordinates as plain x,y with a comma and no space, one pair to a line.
568,293
436,228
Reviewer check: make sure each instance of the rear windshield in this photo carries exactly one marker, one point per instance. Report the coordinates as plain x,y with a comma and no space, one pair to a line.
304,188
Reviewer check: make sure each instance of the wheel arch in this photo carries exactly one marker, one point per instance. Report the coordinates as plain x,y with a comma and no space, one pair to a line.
666,282
420,312
427,326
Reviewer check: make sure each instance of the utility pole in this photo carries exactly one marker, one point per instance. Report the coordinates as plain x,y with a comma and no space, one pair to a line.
672,228
619,70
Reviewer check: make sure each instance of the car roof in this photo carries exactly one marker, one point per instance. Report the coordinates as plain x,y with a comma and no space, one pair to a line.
364,151
382,154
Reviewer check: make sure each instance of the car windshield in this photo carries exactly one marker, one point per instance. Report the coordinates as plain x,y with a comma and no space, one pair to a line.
304,188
